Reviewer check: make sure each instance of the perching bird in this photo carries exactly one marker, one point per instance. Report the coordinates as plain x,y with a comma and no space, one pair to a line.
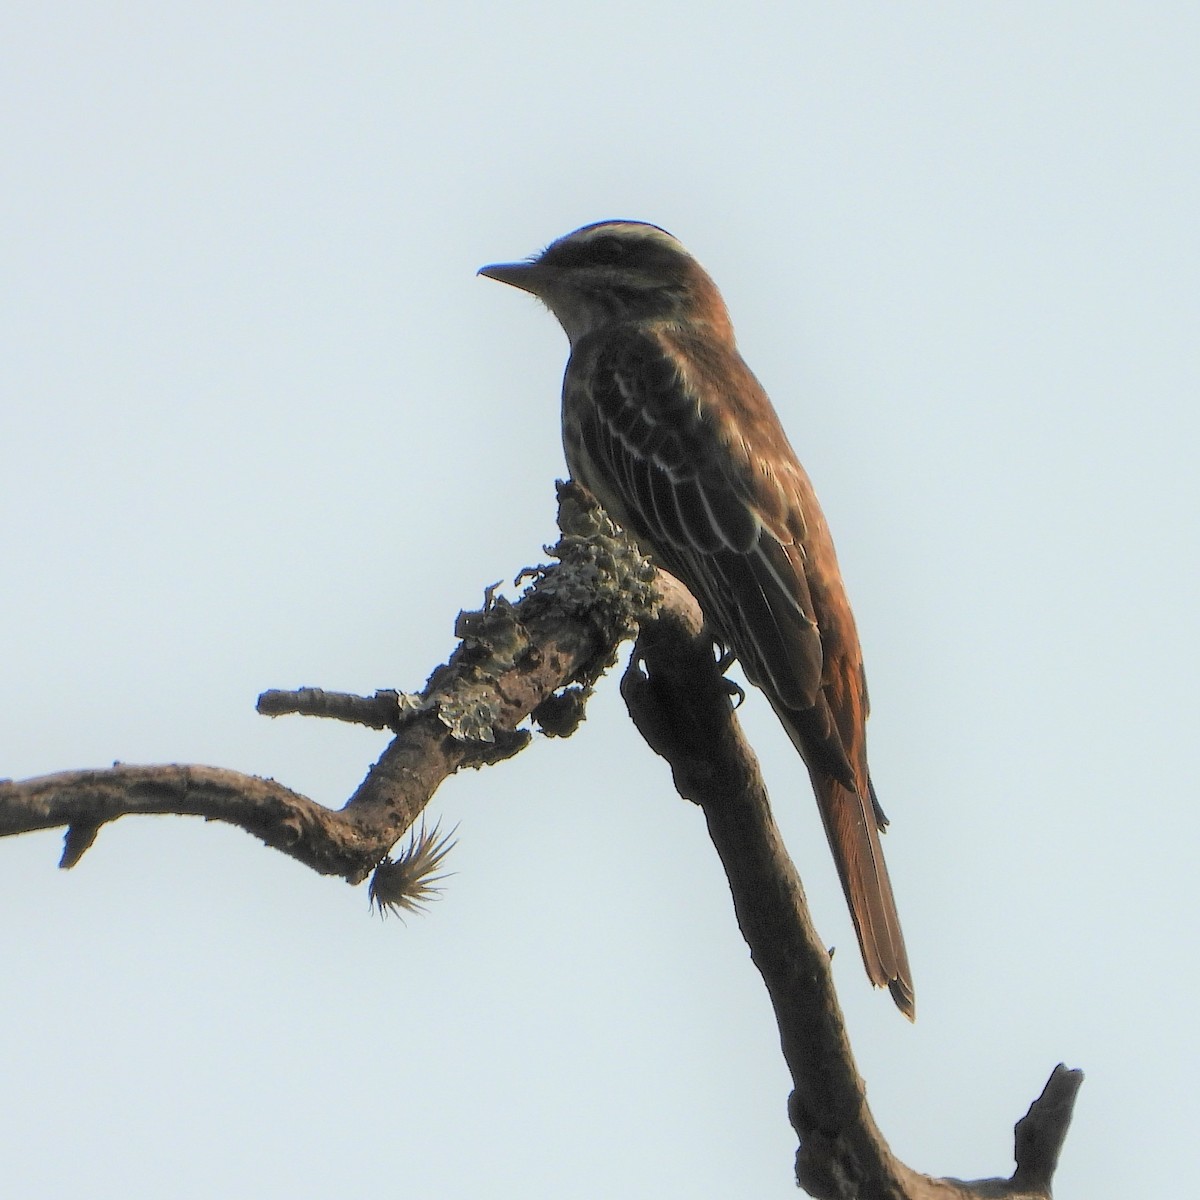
666,425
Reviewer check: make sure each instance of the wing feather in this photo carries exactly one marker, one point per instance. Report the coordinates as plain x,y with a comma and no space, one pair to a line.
699,471
646,446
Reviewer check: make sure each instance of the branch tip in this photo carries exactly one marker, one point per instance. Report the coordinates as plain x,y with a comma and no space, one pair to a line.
1040,1133
77,841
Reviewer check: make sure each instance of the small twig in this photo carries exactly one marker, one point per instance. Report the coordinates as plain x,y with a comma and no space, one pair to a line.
387,709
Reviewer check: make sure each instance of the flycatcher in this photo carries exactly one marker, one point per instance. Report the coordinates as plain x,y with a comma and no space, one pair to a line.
666,425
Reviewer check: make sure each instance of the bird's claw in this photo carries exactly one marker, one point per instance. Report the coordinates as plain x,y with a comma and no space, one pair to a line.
725,660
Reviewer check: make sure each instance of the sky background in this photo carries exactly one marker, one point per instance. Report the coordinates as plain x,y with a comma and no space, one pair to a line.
263,427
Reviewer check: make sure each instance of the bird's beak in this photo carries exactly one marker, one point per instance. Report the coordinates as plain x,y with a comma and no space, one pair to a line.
528,276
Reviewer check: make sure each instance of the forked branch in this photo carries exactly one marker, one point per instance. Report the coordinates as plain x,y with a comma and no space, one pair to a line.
539,657
681,704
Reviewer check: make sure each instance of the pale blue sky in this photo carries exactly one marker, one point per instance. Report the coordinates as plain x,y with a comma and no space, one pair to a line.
263,427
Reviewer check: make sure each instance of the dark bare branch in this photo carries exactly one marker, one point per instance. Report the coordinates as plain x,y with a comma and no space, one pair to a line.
681,704
512,660
540,657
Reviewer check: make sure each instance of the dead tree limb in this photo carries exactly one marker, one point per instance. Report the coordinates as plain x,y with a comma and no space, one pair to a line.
539,658
681,705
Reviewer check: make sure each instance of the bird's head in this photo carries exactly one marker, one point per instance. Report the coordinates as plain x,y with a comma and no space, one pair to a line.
616,272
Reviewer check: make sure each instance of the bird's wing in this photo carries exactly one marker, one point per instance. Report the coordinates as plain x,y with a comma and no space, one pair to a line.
699,470
662,457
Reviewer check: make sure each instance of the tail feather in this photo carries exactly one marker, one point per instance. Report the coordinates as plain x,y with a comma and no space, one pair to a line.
853,822
853,835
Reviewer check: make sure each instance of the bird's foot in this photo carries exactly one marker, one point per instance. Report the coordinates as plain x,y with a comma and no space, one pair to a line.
725,659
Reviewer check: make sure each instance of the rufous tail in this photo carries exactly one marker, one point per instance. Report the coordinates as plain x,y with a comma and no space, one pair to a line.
852,824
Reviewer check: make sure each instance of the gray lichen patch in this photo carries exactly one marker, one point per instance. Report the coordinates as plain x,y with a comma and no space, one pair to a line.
472,711
559,715
601,572
493,632
600,576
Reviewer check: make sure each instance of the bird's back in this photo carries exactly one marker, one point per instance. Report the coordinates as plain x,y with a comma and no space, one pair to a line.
674,435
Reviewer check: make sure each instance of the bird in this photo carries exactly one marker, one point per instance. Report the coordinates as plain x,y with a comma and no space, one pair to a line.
665,424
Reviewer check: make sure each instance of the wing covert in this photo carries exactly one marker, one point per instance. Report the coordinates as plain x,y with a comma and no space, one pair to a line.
654,451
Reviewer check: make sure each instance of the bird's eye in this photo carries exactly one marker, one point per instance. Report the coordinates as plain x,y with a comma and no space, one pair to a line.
608,249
